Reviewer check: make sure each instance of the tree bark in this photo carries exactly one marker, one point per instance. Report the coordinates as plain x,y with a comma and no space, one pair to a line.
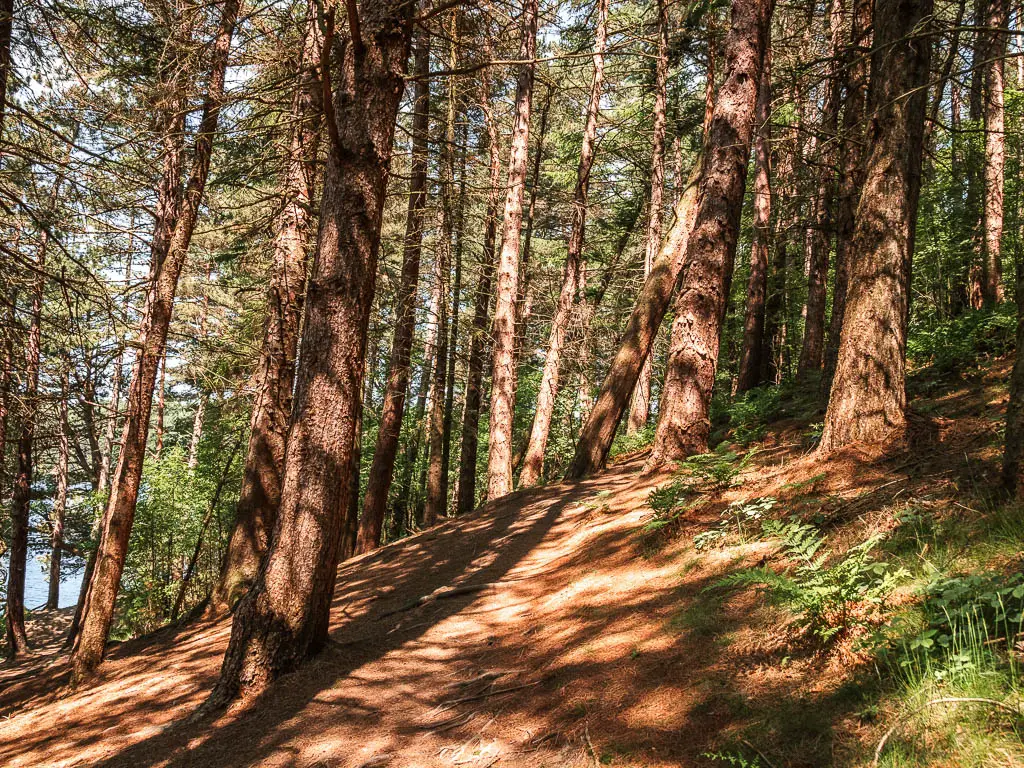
284,618
533,462
641,407
382,468
6,31
750,369
868,395
851,174
481,309
17,639
812,352
98,609
684,423
499,461
260,493
60,497
973,277
995,152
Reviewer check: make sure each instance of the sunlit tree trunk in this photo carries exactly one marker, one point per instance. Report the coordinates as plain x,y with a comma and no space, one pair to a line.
98,608
641,406
684,423
533,463
868,397
750,369
499,461
995,153
284,618
260,493
382,467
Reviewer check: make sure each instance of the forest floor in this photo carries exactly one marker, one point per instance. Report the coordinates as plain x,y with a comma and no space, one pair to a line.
587,636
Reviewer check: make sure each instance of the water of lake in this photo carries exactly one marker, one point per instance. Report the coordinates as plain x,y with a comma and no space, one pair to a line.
37,585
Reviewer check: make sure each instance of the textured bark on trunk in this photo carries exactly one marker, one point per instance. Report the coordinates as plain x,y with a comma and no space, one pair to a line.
684,423
478,342
533,462
757,285
382,467
60,497
641,406
499,460
851,173
260,493
6,29
17,640
812,352
868,395
973,274
283,619
98,608
995,153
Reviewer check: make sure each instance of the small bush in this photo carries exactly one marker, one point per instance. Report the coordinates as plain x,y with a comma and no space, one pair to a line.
951,345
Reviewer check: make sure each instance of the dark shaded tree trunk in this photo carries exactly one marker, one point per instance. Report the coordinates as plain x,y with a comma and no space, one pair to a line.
851,173
868,397
6,30
98,609
478,341
382,467
499,461
260,493
684,423
60,497
533,462
750,369
641,406
283,619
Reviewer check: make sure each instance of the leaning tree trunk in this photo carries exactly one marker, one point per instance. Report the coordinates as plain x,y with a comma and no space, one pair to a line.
995,153
757,285
533,462
481,308
641,407
283,619
17,640
684,424
275,371
812,352
499,460
98,608
382,468
868,394
60,497
851,173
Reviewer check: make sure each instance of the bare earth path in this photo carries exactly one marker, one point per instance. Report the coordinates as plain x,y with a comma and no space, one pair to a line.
573,638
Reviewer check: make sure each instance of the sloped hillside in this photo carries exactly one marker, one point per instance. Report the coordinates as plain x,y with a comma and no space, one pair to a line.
577,625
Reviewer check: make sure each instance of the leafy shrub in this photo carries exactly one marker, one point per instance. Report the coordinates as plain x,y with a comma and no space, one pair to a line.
739,515
953,344
700,474
752,412
829,599
992,604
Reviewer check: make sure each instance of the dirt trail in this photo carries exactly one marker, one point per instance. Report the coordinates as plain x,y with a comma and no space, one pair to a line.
591,642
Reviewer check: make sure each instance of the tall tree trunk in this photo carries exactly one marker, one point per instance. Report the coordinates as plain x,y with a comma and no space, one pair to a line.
114,406
813,351
684,423
868,395
284,618
757,285
200,415
499,461
478,341
275,372
17,640
6,30
851,174
98,609
160,403
974,288
533,463
995,152
641,407
60,497
435,504
382,468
